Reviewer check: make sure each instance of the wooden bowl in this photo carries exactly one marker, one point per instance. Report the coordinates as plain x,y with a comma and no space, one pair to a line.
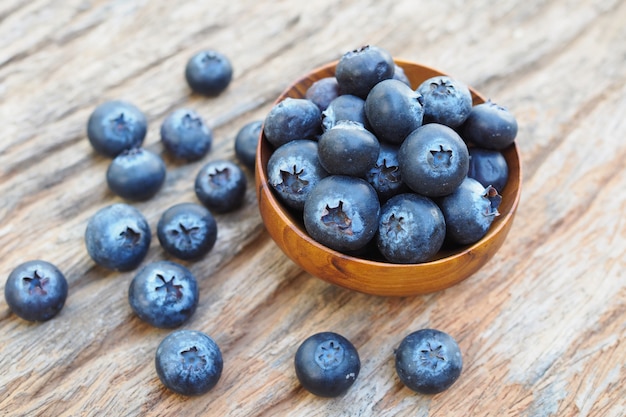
370,276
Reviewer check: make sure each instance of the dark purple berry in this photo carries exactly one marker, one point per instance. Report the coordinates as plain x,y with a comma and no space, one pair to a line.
327,364
490,126
348,149
36,290
187,231
221,186
322,92
136,174
246,142
361,69
115,126
185,135
446,101
292,119
208,72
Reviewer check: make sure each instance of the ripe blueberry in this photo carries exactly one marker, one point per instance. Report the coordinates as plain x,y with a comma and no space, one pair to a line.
428,361
433,160
342,213
327,364
293,170
163,294
188,362
344,107
348,149
488,167
385,176
246,142
393,110
136,174
400,75
36,290
322,92
208,72
361,69
411,229
490,126
185,135
291,119
118,237
469,211
115,126
187,231
446,101
221,186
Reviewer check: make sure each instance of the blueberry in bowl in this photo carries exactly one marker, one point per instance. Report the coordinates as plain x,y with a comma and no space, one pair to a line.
366,270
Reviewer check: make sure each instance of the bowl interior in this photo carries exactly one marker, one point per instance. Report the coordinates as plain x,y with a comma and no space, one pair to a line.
368,274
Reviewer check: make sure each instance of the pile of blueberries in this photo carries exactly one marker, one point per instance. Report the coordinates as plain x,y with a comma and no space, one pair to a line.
359,140
377,168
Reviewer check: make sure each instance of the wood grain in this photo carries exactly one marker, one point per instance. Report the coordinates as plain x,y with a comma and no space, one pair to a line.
541,326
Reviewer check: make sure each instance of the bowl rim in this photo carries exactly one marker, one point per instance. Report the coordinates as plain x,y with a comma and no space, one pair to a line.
264,191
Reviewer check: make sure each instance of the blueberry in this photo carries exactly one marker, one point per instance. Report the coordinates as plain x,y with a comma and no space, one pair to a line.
208,72
246,142
327,364
221,186
342,213
293,170
189,362
344,107
291,119
322,92
433,160
361,69
411,229
428,361
163,294
385,176
488,167
115,126
469,211
118,237
348,149
490,126
136,174
185,135
446,101
393,110
36,290
187,231
400,75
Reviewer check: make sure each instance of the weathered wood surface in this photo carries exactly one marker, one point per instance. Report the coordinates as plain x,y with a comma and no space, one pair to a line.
541,326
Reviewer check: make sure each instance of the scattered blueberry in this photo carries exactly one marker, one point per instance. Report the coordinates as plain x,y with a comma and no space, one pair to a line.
246,142
490,126
488,167
327,364
185,135
394,110
361,69
428,361
385,176
348,149
342,213
36,290
322,92
433,160
221,186
446,101
115,126
163,294
189,362
208,72
344,107
291,119
136,174
411,229
293,170
118,237
187,231
469,211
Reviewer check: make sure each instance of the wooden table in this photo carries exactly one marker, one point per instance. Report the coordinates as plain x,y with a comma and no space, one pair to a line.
541,326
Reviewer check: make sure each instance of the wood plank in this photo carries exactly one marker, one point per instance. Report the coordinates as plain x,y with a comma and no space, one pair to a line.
541,326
